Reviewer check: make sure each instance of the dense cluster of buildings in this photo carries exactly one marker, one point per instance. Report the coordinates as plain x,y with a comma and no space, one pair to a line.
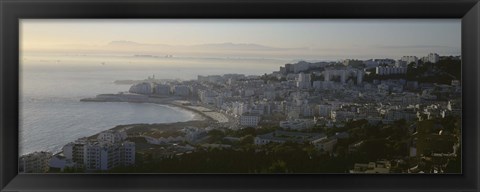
328,93
148,88
297,97
303,95
109,150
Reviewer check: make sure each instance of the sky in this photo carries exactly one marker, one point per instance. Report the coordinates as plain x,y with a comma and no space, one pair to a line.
304,38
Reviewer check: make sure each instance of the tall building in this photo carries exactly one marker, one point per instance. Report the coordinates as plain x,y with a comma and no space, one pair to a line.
360,75
289,68
75,151
36,162
326,75
304,81
162,89
181,90
343,76
249,120
105,156
108,151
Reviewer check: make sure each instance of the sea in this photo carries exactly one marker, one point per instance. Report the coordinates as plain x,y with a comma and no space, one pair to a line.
51,86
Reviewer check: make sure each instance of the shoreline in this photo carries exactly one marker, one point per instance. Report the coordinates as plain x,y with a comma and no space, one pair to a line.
199,116
176,102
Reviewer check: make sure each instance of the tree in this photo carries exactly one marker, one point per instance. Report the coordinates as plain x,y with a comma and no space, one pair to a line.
216,135
247,142
245,132
278,166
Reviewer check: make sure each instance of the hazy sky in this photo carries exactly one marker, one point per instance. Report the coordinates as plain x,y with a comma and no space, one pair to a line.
310,39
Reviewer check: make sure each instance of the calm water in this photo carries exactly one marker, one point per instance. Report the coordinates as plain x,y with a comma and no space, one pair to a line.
51,114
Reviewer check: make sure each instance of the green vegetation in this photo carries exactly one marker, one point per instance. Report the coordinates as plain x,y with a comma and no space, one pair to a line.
279,158
443,72
375,142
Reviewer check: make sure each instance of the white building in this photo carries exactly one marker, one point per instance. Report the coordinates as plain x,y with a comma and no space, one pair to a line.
360,75
390,70
239,108
162,89
409,59
75,151
108,151
343,76
433,57
142,88
111,136
304,81
249,120
181,90
297,124
128,152
207,96
326,75
105,156
36,162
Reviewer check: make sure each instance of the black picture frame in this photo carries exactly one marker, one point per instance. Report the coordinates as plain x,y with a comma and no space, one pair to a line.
13,10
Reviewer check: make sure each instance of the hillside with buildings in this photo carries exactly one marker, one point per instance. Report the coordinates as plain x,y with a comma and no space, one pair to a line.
353,116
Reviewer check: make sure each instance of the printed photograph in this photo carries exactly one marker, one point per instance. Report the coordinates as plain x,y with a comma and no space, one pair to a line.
254,96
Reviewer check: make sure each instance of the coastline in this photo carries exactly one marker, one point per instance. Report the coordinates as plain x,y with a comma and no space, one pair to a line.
175,102
202,116
197,118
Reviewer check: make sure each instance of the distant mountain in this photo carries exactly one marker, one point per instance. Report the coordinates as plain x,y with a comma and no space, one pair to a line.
235,46
135,44
123,43
210,46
